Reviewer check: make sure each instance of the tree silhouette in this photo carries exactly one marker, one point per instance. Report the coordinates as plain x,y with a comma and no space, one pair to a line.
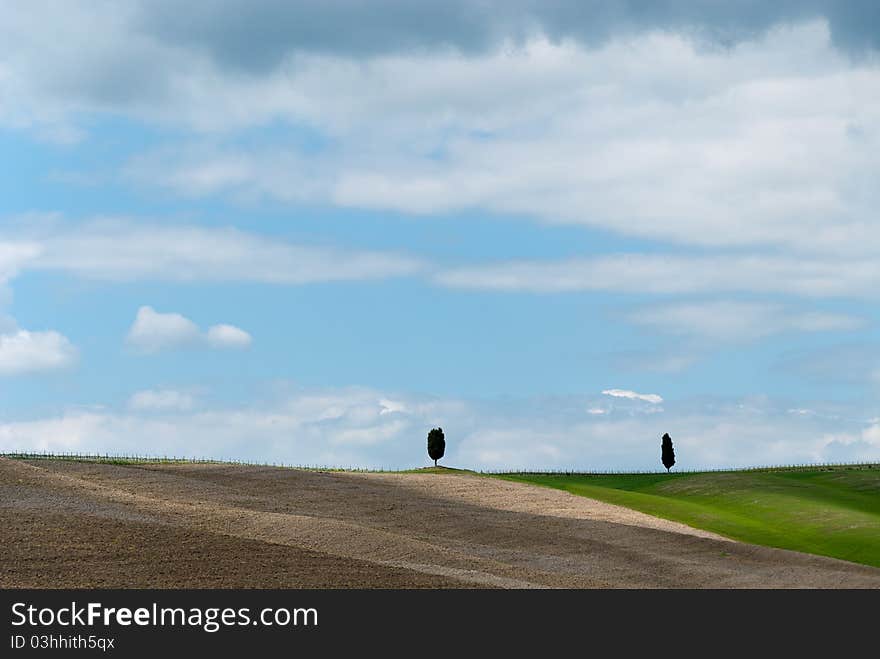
436,444
668,455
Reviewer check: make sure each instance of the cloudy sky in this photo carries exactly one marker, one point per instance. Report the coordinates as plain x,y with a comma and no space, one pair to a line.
308,232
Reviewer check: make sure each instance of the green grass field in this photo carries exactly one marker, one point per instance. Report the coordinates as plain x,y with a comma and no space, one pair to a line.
833,511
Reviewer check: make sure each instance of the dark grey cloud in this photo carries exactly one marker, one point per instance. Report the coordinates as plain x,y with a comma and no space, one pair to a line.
256,34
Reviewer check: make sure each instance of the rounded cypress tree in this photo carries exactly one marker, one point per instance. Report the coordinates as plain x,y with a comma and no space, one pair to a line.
436,444
668,453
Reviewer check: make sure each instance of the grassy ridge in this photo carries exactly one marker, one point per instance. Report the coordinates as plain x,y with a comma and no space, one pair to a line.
830,511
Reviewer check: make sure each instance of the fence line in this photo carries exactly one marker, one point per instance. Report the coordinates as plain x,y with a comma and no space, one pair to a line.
125,458
805,466
144,459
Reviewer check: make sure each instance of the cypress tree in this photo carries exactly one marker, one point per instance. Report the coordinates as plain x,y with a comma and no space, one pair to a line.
668,453
436,444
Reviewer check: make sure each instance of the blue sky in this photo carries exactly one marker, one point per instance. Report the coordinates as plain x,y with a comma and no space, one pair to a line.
557,230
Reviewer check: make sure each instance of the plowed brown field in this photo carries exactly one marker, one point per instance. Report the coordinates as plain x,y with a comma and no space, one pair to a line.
76,524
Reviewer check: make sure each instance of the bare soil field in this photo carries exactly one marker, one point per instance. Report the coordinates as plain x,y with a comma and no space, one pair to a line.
74,524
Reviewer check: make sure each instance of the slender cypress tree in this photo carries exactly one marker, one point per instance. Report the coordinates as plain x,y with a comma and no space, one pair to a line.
436,444
668,453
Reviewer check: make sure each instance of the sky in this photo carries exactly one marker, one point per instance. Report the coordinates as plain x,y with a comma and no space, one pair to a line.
308,232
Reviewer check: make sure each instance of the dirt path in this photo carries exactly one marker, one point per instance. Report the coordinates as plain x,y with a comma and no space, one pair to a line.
91,524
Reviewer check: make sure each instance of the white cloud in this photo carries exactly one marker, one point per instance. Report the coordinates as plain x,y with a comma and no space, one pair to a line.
862,445
738,321
662,274
391,406
769,142
66,432
13,256
22,352
654,399
758,148
153,331
228,336
162,400
125,250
